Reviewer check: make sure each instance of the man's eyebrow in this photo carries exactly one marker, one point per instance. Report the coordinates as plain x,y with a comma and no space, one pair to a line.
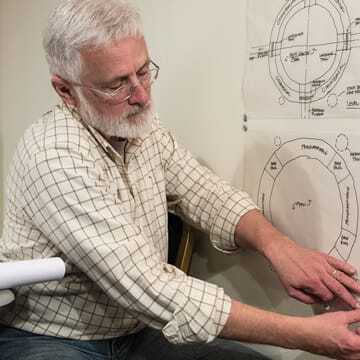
125,77
147,62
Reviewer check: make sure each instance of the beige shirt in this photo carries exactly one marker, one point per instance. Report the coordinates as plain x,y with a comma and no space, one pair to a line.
104,212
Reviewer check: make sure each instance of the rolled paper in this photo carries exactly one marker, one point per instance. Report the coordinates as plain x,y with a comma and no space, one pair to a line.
18,273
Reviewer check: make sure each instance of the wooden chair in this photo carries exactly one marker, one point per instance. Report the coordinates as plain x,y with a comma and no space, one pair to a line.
181,243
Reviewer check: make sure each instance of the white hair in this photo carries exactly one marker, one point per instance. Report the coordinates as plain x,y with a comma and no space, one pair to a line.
78,24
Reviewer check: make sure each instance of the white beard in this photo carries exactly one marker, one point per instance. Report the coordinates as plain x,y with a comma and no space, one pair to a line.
134,123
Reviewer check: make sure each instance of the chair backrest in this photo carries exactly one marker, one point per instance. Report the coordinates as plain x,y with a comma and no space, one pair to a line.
181,243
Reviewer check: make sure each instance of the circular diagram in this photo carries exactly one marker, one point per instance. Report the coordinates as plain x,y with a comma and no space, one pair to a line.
306,64
307,191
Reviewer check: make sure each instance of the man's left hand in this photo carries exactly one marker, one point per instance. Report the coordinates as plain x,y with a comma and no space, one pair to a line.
311,276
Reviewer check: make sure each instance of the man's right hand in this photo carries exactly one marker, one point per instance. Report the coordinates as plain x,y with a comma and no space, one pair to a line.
328,334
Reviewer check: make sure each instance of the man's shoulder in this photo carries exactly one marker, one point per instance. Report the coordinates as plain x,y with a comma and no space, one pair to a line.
56,129
161,135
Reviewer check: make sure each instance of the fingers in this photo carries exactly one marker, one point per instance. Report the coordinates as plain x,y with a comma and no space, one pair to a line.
353,317
319,291
302,296
341,265
350,283
340,281
337,287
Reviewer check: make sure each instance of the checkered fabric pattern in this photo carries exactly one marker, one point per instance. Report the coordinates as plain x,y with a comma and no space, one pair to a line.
104,212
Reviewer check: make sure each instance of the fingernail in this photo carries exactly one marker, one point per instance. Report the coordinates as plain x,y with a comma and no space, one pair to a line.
358,305
353,270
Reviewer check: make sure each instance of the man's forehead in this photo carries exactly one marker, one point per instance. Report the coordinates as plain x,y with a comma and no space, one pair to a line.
116,58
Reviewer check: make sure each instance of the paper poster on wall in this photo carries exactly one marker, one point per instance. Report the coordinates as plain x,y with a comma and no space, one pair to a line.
309,187
303,59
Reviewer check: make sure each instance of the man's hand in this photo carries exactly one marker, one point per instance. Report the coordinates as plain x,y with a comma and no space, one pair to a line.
311,276
329,335
307,275
326,334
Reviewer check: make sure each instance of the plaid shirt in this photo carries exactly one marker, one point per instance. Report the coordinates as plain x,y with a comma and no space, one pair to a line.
104,212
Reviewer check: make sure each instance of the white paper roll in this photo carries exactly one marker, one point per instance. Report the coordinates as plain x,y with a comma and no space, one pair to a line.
17,273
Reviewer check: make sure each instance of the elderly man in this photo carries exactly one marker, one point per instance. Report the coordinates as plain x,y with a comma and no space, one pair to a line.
91,181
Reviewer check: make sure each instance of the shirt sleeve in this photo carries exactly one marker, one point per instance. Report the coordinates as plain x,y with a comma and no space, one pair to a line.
69,203
202,197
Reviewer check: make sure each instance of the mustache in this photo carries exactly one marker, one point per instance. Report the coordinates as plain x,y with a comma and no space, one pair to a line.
137,109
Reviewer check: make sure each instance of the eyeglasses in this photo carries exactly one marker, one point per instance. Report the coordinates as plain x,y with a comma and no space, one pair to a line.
123,92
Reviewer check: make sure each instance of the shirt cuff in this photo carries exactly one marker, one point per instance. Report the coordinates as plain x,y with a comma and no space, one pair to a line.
222,233
197,321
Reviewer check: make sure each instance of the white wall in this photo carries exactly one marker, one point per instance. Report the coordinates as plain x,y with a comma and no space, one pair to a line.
25,92
200,47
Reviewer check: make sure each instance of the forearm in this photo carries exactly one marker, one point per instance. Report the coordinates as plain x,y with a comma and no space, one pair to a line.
307,275
327,334
249,324
255,232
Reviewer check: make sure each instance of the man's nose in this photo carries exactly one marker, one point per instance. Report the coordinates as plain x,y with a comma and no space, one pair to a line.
139,95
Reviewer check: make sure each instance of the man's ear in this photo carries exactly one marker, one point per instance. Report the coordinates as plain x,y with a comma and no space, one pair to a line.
64,90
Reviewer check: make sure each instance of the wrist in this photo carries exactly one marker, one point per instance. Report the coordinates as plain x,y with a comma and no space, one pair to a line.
254,231
253,325
276,245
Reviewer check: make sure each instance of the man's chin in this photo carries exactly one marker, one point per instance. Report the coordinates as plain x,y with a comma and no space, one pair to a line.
134,126
137,124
